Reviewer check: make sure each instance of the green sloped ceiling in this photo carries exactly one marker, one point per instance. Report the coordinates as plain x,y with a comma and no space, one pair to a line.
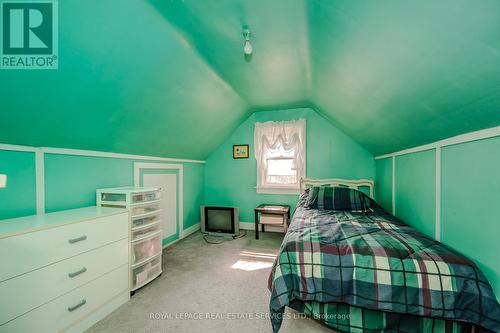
396,74
169,78
278,71
127,82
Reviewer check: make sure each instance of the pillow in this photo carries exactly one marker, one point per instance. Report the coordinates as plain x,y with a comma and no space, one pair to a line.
338,198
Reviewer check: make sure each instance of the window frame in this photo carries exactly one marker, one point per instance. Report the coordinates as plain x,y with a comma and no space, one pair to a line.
268,188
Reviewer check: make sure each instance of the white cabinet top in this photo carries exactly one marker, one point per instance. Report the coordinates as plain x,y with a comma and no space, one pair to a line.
22,225
127,189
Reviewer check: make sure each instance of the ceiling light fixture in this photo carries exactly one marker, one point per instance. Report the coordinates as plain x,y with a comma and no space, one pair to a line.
247,47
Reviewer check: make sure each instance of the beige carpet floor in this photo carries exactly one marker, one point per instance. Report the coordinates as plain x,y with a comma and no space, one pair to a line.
208,288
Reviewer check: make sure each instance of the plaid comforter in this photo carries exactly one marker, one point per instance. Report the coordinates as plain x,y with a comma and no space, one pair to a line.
348,318
374,261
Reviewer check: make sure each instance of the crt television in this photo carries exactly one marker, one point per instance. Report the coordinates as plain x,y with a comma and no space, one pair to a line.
219,220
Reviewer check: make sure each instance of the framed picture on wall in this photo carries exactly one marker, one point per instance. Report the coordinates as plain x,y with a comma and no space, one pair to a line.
240,151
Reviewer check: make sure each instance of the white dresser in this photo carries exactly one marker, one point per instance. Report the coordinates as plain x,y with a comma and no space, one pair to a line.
63,271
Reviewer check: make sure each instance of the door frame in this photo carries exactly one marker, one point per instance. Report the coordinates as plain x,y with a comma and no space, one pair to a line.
180,200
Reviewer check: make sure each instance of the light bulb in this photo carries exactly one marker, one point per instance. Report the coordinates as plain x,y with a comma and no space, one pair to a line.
247,48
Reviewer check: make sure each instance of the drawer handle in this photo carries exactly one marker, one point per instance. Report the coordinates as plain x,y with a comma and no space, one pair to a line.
78,239
72,275
74,307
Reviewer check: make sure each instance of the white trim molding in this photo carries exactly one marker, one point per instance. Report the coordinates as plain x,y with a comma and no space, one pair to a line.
93,153
393,185
463,138
40,181
5,146
191,230
438,194
77,152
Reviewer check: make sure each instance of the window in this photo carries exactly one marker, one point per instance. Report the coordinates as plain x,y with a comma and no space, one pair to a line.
280,155
280,170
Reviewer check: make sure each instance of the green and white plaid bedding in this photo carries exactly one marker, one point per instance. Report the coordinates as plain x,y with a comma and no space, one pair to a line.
347,318
374,261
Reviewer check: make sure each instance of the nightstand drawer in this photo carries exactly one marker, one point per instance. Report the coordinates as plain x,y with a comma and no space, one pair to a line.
30,290
272,219
26,252
64,311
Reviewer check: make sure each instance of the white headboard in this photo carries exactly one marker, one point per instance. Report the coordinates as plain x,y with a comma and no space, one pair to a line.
351,183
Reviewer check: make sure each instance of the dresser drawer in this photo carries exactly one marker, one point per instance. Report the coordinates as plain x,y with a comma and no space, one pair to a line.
23,253
64,311
25,292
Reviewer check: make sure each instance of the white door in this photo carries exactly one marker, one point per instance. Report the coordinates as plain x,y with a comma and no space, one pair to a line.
168,184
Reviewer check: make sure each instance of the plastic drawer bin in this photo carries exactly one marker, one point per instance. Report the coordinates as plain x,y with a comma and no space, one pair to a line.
145,197
143,221
117,197
144,232
145,209
145,249
144,273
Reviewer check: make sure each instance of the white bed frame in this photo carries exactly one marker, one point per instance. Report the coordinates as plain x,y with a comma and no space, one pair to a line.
351,183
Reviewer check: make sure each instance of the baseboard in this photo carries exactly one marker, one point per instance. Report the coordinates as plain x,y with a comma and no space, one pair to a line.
191,230
186,232
251,226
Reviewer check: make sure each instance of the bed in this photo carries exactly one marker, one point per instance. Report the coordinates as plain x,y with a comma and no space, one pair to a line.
367,271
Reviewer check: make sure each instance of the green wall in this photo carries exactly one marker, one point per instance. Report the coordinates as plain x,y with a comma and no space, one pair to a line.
194,186
383,183
19,197
470,187
71,181
330,154
415,195
470,193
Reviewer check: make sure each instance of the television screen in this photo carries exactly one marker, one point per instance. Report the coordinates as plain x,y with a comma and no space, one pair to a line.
219,219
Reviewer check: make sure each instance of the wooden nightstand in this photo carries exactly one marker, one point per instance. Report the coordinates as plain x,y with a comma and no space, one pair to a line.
282,212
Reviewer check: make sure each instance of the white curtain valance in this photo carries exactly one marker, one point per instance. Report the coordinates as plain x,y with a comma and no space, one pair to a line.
273,136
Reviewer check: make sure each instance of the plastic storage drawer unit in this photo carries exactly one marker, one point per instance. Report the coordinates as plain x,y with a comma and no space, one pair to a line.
144,226
146,272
